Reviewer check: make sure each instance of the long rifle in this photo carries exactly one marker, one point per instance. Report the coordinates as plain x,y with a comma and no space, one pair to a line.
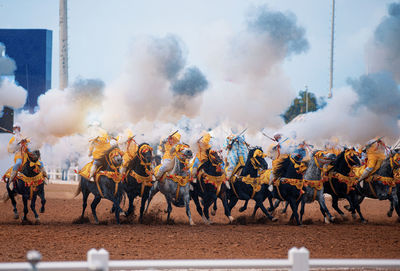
6,130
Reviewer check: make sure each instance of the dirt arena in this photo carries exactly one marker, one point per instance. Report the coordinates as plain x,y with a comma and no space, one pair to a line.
59,238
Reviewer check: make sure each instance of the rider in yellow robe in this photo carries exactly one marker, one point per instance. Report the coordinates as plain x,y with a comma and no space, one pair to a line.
203,145
375,150
98,147
168,147
15,147
130,153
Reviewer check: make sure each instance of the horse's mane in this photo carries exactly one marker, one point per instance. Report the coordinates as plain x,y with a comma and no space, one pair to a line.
281,167
136,159
103,159
338,160
385,170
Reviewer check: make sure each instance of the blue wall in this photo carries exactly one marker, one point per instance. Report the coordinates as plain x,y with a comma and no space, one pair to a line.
32,50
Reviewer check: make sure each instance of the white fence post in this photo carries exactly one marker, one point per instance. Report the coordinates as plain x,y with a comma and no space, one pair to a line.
98,259
299,259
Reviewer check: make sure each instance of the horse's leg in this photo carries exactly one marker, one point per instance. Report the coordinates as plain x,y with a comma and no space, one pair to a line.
94,204
275,205
208,201
232,203
395,203
42,199
259,203
131,197
353,198
391,208
271,207
117,209
169,209
285,208
226,207
85,195
303,204
142,205
154,190
195,198
186,200
25,201
33,208
324,209
336,207
11,195
255,210
214,209
244,207
294,206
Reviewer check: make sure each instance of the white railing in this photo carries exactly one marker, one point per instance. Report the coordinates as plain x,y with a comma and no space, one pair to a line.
298,260
55,175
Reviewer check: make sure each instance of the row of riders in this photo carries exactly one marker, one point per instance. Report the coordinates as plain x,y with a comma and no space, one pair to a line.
298,175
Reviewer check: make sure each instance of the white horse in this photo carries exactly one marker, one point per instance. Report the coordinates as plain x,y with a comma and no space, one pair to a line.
175,185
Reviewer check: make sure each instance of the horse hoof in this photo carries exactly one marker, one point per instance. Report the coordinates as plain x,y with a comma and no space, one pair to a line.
354,216
37,221
344,217
204,219
364,221
389,214
347,207
332,219
326,220
274,219
242,209
191,223
231,219
42,210
16,216
213,212
210,222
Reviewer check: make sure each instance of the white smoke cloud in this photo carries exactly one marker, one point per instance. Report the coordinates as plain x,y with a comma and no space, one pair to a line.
11,95
356,114
62,112
383,50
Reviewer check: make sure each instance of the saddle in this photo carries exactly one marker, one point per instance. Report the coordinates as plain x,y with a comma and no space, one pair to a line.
216,181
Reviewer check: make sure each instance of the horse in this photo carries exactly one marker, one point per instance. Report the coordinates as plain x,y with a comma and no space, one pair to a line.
29,183
139,178
382,184
175,185
210,185
106,184
288,183
339,183
313,183
250,184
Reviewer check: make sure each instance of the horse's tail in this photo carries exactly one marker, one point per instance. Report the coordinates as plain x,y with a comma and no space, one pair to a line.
79,189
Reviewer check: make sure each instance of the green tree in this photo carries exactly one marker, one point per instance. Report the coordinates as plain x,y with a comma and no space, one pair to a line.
299,105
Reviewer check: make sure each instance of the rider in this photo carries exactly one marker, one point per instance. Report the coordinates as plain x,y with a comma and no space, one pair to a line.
130,153
167,146
237,153
204,145
375,150
15,146
98,147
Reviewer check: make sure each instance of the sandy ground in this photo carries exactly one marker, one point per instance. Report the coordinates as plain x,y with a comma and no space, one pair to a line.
59,238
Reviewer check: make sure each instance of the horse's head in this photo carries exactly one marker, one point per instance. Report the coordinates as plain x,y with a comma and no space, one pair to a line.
215,159
115,156
33,156
145,154
324,157
183,152
395,158
351,157
257,158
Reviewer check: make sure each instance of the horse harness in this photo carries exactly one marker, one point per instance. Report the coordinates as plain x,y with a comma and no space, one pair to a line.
143,180
115,175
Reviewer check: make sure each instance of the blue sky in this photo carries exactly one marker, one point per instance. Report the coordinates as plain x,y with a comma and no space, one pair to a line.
100,32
